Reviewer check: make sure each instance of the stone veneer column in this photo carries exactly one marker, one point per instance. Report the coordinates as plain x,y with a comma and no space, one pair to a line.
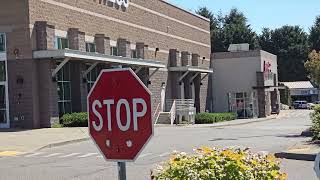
261,94
144,72
48,94
195,59
173,58
124,48
77,42
185,58
174,76
102,44
45,35
76,39
141,49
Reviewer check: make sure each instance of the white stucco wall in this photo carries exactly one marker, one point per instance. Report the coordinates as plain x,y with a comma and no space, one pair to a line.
233,75
237,72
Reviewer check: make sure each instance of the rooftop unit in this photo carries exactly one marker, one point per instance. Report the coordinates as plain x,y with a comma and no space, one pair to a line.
238,47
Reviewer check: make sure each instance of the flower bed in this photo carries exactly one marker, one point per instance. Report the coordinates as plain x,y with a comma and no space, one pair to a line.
216,164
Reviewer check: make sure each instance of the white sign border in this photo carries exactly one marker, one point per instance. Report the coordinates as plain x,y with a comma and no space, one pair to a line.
152,126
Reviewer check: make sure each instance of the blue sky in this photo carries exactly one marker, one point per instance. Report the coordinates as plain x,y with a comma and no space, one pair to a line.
263,13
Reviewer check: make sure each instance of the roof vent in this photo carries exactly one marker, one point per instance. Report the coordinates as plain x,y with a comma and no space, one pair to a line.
238,47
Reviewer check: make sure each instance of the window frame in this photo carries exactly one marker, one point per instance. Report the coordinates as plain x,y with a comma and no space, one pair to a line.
90,45
114,49
58,39
134,54
62,99
3,35
90,80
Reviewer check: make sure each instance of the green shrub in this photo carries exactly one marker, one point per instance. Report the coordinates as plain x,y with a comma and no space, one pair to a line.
56,125
207,118
217,164
315,117
75,120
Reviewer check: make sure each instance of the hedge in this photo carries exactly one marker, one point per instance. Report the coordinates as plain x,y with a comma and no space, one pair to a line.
315,117
75,120
208,118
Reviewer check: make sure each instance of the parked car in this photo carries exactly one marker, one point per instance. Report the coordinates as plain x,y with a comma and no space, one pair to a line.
300,104
310,106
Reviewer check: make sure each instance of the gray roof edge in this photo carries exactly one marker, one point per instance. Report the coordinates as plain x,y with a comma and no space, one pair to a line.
185,10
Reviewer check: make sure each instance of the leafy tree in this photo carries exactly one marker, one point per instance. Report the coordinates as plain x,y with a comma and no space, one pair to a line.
236,30
290,44
313,67
314,37
229,29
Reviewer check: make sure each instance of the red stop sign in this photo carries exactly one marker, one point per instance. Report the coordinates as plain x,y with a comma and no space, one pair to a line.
119,108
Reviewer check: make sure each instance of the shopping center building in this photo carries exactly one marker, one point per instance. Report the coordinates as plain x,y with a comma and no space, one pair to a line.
246,82
51,52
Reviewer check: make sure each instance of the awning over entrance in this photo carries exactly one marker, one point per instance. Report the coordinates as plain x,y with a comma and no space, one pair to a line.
74,54
94,58
191,69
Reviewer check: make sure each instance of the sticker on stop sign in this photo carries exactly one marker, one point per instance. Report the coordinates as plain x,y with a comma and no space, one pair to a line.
119,110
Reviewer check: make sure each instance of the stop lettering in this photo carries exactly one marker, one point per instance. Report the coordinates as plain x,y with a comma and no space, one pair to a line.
119,111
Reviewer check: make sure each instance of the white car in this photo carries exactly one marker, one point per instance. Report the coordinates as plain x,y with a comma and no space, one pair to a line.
300,104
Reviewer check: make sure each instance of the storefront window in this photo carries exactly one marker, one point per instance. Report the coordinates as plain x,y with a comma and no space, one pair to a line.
61,43
114,51
3,111
2,71
90,47
92,77
242,104
64,90
2,42
134,54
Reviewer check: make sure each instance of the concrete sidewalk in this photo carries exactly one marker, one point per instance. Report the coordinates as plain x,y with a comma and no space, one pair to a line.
16,141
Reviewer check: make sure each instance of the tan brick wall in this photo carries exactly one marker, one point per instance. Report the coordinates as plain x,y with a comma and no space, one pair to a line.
64,18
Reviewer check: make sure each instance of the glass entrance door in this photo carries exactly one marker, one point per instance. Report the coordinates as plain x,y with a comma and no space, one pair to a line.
4,123
4,105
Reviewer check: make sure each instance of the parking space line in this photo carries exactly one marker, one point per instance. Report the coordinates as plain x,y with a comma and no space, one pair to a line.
144,155
51,155
164,154
88,155
34,154
69,155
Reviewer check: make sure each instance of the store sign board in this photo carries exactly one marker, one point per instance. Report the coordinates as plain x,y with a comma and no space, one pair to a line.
121,3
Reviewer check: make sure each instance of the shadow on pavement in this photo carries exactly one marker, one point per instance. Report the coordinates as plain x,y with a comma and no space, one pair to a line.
14,130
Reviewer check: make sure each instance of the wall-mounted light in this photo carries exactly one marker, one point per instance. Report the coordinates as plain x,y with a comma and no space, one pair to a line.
156,51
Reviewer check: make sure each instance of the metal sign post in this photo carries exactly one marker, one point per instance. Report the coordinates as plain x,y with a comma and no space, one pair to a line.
122,174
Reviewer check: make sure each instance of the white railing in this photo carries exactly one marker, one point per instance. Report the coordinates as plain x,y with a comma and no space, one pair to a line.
180,108
173,112
155,113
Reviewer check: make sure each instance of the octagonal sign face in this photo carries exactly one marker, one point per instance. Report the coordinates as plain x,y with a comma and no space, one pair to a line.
119,110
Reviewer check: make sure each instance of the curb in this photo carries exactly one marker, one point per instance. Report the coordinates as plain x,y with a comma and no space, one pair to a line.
235,124
296,156
216,125
63,143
